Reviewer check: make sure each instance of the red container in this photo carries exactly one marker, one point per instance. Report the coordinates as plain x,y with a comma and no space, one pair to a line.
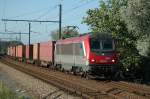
14,51
20,51
36,51
47,52
29,52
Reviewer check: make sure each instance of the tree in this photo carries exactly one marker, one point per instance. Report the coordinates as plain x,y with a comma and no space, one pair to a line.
66,33
137,17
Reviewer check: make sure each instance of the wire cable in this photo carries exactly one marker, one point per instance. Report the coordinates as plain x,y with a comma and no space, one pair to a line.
78,6
74,8
48,11
4,8
30,13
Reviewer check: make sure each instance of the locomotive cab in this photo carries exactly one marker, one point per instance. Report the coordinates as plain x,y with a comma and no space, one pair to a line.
103,58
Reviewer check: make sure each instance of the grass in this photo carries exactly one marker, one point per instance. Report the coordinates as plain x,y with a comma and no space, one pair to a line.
6,93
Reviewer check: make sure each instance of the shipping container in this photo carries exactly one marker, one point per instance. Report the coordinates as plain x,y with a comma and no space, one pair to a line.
36,51
47,53
14,51
29,52
20,52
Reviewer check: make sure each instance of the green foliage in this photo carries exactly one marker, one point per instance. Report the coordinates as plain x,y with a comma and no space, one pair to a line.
66,33
108,18
6,93
136,15
148,51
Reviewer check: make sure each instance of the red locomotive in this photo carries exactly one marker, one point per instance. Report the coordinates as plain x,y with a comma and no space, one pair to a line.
94,55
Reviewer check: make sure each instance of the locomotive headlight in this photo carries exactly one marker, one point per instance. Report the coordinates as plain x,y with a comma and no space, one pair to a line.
92,60
113,60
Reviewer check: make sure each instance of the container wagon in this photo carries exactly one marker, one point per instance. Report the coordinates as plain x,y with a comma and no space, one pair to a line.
13,52
36,50
46,53
20,52
29,53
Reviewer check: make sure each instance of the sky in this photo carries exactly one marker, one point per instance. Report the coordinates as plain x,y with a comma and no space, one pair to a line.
73,12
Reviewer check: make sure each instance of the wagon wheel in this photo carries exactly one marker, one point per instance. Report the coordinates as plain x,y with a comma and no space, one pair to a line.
119,76
85,75
62,70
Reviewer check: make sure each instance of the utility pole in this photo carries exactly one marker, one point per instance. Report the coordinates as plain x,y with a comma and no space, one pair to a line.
20,36
60,20
0,45
29,32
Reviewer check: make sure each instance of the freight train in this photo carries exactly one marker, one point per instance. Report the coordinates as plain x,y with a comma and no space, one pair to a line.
86,55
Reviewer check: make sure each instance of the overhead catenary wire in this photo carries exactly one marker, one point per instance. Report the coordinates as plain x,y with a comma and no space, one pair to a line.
74,8
30,13
4,8
12,33
78,6
48,11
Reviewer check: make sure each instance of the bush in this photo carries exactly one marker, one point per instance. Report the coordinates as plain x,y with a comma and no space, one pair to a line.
6,93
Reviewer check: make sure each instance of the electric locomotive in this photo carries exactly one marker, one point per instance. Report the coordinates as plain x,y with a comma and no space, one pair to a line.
88,55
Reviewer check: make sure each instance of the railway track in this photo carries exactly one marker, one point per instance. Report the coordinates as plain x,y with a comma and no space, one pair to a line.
130,91
65,85
135,88
87,89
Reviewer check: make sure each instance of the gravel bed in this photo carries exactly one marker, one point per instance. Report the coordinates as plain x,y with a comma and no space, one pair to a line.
26,85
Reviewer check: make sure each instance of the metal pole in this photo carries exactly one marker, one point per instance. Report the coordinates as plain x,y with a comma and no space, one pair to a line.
29,39
29,32
0,44
20,36
60,20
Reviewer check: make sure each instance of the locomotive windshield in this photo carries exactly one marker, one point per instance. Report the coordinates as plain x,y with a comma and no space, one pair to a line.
107,45
101,45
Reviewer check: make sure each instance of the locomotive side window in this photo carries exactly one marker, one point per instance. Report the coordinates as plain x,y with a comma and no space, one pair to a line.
57,49
78,49
67,49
